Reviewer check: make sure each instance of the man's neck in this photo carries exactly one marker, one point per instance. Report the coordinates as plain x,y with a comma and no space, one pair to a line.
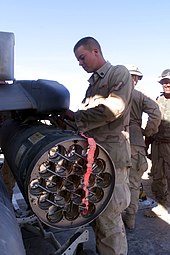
167,95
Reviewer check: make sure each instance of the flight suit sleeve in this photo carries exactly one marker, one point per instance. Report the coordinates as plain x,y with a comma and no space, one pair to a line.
110,105
151,108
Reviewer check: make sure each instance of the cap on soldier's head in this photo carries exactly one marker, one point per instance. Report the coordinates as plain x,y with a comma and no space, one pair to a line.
134,70
164,75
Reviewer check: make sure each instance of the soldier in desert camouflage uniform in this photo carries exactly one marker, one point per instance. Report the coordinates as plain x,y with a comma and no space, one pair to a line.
140,104
160,152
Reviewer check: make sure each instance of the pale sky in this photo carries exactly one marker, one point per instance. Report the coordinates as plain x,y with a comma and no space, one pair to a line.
129,31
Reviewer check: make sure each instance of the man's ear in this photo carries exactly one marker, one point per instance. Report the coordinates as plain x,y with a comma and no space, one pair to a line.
96,51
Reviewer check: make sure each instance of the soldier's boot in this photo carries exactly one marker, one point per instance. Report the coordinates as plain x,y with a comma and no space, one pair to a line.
160,210
129,220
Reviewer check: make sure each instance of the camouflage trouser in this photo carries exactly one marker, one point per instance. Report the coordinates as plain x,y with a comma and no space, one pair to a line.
8,178
161,172
139,166
109,227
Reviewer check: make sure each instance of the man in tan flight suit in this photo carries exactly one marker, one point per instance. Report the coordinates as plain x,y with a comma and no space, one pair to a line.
104,115
140,104
160,153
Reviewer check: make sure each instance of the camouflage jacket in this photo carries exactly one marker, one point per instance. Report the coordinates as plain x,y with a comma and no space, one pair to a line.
163,134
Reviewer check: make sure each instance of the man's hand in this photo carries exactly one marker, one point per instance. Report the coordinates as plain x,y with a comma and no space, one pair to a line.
148,140
69,115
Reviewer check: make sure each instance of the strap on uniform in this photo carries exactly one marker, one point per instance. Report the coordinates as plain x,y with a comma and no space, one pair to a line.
90,161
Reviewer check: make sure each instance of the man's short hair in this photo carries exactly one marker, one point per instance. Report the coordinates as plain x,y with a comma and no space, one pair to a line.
89,43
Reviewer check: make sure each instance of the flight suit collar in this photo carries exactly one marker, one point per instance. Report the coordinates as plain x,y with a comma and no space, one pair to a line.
100,73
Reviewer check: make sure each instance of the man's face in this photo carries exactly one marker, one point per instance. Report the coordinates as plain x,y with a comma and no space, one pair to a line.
87,59
166,85
135,79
